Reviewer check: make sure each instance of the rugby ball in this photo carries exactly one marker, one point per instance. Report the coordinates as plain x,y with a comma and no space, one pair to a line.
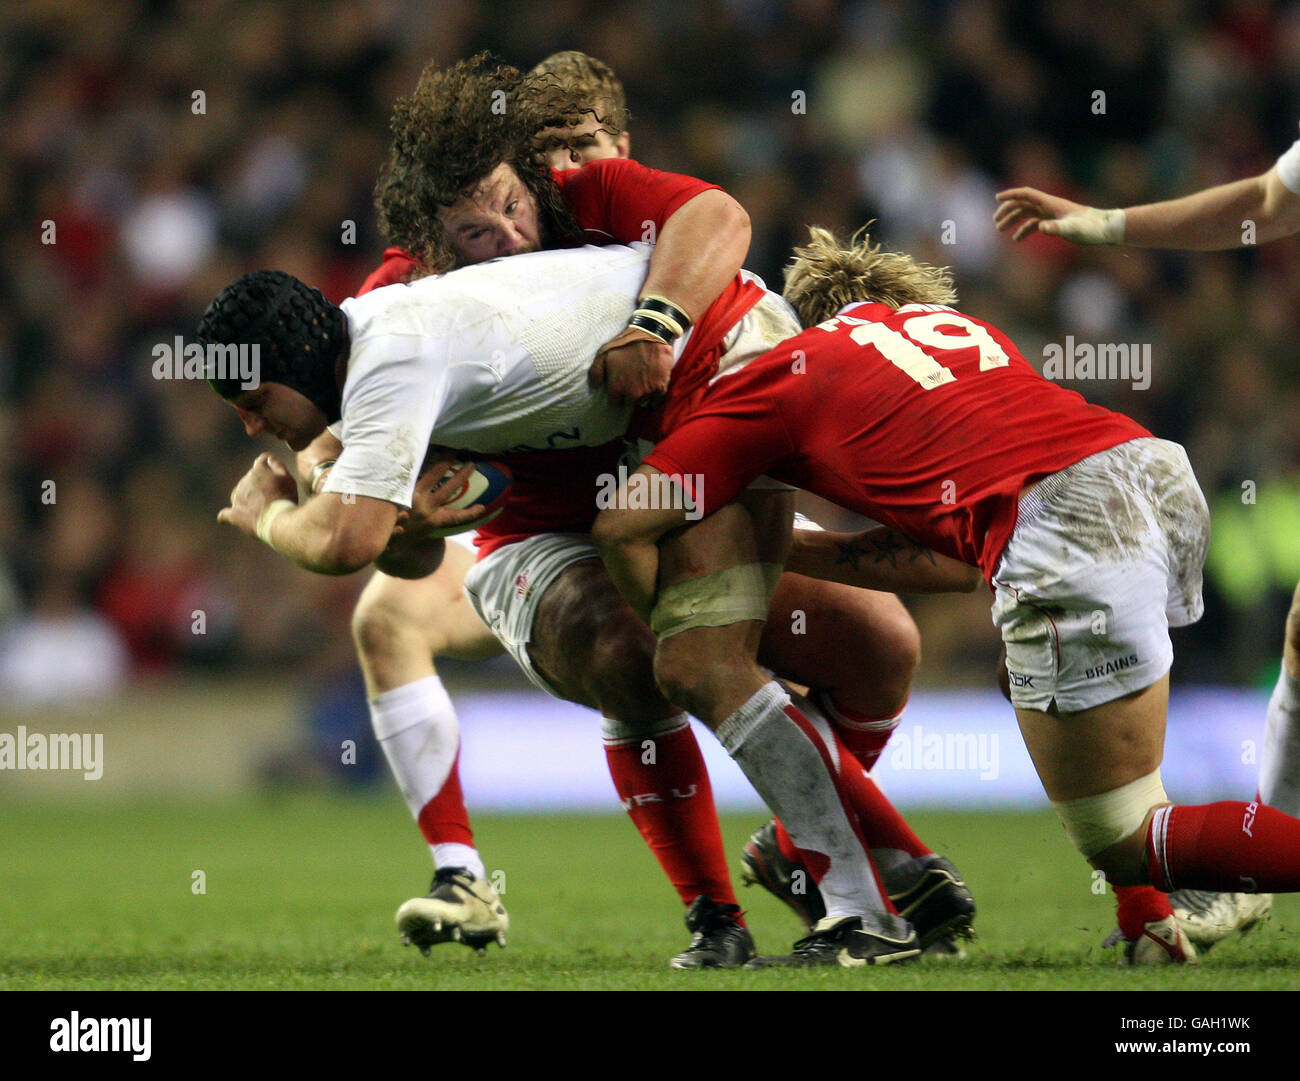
488,485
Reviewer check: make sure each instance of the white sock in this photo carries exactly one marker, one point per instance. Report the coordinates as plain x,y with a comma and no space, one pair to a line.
1279,762
786,768
417,728
451,854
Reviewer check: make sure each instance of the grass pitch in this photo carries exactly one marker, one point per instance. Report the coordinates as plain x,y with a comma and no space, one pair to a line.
299,893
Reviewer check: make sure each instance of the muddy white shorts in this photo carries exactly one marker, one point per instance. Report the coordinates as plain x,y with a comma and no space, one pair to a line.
506,587
1106,557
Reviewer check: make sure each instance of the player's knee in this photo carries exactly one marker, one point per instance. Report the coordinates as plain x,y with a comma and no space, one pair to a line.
692,679
875,656
681,677
895,655
381,629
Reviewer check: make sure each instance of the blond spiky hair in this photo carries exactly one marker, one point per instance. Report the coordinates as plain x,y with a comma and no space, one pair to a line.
825,276
592,81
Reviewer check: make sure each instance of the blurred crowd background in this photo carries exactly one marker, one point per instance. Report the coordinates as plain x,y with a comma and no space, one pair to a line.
152,151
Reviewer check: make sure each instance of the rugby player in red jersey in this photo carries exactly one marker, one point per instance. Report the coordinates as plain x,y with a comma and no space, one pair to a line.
1241,213
865,692
400,625
1090,531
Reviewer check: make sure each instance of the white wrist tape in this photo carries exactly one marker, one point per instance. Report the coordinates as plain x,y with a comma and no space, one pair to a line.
1093,226
267,518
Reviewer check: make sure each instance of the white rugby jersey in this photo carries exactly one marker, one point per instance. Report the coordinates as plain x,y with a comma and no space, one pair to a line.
490,358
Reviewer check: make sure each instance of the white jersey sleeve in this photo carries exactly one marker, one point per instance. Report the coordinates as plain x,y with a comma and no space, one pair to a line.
390,400
386,422
396,381
1288,167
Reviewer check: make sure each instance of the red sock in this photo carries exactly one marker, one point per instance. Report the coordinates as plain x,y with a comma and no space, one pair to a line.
670,801
864,736
858,794
881,825
1229,847
788,848
444,819
1139,905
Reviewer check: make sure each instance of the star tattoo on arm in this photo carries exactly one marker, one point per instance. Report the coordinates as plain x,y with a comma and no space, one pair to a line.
878,546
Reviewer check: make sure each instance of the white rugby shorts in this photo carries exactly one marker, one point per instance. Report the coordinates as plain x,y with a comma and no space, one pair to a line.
1106,556
506,586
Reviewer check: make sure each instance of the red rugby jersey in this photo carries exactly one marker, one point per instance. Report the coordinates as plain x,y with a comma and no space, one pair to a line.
922,418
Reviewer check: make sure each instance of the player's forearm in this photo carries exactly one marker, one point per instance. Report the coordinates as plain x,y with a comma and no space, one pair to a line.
880,558
1250,211
628,543
325,535
634,568
698,252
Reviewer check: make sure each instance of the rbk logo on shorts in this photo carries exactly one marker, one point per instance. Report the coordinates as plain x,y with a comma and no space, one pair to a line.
1248,819
521,585
1110,667
1019,679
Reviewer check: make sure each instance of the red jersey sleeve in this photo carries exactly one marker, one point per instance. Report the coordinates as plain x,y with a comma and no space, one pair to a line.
394,270
616,199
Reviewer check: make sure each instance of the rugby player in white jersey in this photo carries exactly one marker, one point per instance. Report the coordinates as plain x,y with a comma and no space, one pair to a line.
1241,213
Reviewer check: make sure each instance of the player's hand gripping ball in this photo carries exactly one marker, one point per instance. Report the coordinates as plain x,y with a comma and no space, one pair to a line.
451,497
463,487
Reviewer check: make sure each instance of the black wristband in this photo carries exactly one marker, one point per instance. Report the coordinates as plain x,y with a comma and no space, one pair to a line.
653,327
665,307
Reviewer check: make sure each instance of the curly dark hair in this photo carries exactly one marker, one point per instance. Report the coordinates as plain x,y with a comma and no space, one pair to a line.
459,124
